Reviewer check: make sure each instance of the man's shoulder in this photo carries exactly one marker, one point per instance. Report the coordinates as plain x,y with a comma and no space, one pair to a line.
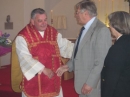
101,24
97,24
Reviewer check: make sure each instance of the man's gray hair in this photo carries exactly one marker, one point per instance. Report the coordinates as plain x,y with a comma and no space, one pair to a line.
87,5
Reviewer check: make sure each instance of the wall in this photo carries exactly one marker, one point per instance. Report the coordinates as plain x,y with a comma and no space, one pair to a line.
14,8
19,10
64,7
29,5
105,7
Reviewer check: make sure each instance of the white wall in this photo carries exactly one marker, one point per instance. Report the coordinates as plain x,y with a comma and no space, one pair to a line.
19,10
66,8
14,8
29,5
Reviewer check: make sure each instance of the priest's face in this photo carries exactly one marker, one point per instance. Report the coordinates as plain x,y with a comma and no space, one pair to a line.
40,22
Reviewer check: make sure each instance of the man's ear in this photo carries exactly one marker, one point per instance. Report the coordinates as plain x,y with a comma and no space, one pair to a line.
32,21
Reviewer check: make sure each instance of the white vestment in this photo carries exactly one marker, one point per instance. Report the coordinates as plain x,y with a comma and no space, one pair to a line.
33,66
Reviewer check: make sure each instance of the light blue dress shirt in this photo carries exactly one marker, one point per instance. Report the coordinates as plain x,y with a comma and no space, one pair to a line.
86,26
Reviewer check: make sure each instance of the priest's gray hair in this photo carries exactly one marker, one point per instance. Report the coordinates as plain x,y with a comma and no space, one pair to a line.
37,11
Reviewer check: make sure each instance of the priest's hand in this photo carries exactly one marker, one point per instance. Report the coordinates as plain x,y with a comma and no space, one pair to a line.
48,72
62,69
86,89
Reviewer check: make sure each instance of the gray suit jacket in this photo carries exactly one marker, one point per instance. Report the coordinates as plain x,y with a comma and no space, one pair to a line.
91,53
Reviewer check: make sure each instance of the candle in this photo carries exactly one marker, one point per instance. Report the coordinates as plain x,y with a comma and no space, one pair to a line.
51,17
51,14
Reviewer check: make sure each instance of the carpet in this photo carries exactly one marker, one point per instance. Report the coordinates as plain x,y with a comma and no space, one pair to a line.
5,83
68,88
6,90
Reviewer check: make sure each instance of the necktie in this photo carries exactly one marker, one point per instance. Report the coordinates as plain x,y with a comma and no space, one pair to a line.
76,49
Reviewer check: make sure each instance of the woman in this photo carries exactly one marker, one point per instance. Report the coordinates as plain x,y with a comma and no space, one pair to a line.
116,71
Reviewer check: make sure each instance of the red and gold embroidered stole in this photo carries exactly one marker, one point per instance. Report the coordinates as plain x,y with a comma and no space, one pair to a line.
45,50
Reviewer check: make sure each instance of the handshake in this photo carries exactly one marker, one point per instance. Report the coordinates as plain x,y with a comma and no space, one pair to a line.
48,72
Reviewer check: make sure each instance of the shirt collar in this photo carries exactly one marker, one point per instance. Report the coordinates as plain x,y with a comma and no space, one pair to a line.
41,33
118,37
88,24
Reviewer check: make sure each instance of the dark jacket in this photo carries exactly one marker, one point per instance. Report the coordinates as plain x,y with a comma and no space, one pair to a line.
116,72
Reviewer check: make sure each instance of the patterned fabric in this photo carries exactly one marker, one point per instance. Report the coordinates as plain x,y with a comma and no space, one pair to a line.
46,51
25,62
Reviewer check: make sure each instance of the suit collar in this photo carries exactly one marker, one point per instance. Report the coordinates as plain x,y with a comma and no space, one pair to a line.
88,35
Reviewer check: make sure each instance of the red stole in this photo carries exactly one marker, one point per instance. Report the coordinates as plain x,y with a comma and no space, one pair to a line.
46,51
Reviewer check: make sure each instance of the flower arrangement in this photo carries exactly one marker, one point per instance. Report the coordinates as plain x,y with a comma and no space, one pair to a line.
4,39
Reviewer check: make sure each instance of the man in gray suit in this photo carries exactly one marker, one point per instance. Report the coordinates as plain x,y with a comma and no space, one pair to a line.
89,51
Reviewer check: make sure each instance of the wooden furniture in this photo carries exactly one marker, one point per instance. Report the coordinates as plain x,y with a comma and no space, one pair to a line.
68,75
72,40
